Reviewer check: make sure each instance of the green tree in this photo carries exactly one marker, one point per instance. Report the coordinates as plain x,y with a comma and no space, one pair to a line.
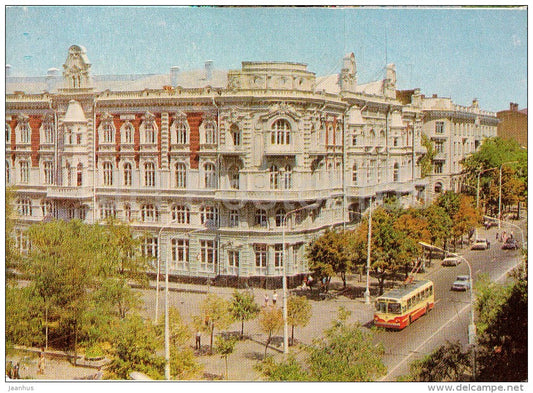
465,218
183,364
214,314
447,363
11,253
298,312
426,161
24,316
439,225
331,254
243,308
270,322
285,370
225,347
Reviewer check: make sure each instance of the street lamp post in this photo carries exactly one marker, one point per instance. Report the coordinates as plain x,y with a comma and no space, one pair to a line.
367,291
284,279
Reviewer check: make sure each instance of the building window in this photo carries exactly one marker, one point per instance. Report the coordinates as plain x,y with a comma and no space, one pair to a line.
128,134
278,258
49,209
149,213
233,262
208,255
48,131
438,167
280,178
209,216
8,172
210,133
24,171
181,132
127,212
127,174
396,172
354,140
78,139
25,133
280,216
149,174
8,134
181,214
274,177
439,127
280,133
234,177
22,241
354,174
108,174
180,254
108,133
108,210
149,247
48,172
24,207
210,180
149,132
79,175
233,218
261,218
235,135
181,175
439,146
261,257
287,178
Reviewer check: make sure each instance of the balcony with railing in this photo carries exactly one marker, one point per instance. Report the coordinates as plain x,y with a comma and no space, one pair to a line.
62,192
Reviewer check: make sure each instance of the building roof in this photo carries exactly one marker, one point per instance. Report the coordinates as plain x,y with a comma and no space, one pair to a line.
74,113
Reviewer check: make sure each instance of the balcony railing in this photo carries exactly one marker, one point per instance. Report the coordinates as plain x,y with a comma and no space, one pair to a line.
69,192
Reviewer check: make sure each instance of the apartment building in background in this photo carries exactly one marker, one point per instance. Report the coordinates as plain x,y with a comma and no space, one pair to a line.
210,163
513,124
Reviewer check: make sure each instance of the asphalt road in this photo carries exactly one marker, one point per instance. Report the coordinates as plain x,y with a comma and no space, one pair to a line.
450,318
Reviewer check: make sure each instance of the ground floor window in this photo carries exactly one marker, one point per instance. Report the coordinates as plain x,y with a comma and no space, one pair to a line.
180,254
278,259
233,262
208,255
261,255
149,248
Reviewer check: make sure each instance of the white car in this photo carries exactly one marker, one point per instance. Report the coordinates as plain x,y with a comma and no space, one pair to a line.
461,283
451,261
480,244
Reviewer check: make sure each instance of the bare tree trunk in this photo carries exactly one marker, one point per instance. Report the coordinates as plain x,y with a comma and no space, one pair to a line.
267,342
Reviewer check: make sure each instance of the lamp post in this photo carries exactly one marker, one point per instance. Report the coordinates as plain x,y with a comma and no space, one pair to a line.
367,291
285,322
500,194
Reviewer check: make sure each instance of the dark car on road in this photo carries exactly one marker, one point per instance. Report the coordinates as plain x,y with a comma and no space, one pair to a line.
510,244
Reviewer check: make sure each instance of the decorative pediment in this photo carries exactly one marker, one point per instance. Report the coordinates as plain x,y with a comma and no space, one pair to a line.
148,117
234,116
281,109
179,116
106,117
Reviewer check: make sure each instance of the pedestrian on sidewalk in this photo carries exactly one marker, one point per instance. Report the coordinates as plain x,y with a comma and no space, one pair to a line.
198,344
40,363
274,298
266,299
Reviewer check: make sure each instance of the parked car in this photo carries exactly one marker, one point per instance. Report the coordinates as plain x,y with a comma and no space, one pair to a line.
489,224
461,283
480,244
451,261
511,244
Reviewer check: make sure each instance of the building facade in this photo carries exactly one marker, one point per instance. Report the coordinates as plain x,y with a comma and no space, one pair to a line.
513,124
211,163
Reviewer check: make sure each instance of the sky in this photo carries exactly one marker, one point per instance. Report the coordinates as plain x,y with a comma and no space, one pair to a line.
462,53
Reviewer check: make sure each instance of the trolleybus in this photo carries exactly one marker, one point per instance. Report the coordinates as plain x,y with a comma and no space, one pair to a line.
400,307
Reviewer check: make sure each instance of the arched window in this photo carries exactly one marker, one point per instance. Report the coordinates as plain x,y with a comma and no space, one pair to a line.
108,210
8,172
127,212
235,135
108,173
24,207
287,177
49,209
209,216
79,174
181,214
181,132
438,188
210,133
354,174
372,137
149,174
149,213
210,179
8,134
25,133
280,216
280,133
274,177
48,169
68,136
127,134
108,132
24,171
382,138
261,218
127,174
396,172
48,133
234,177
181,175
149,132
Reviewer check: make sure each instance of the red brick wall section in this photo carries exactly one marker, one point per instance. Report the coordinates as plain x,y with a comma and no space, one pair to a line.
194,119
13,125
137,138
117,123
35,124
334,131
326,125
158,123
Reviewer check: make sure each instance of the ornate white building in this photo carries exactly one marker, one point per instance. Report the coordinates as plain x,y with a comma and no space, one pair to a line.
209,162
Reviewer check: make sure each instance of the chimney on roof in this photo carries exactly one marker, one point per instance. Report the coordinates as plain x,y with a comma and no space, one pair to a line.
513,106
51,77
174,71
434,96
209,69
8,70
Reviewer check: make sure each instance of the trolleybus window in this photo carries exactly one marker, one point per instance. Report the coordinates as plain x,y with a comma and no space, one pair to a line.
394,308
